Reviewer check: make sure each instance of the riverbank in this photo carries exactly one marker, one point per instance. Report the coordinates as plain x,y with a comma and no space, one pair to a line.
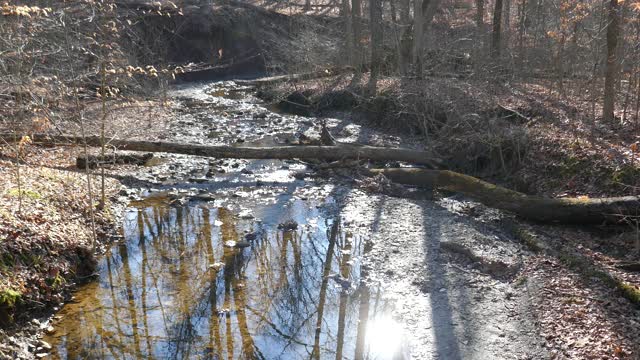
507,132
51,235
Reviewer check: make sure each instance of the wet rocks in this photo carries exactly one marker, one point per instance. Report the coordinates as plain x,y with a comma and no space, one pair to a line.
42,350
242,244
296,103
245,214
237,244
216,266
343,283
198,180
288,225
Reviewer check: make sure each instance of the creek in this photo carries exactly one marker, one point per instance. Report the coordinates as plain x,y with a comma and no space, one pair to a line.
231,259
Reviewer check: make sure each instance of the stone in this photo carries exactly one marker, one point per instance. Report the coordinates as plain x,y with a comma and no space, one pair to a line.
45,345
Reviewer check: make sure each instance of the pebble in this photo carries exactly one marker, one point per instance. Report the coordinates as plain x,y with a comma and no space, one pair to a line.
216,266
245,214
45,345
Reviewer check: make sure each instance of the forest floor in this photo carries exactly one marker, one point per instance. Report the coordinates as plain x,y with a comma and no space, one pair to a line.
47,233
51,238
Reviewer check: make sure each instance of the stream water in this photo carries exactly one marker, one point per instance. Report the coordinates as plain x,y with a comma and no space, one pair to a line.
260,267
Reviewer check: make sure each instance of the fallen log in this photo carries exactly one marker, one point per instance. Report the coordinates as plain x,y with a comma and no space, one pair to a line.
338,152
93,161
564,210
548,210
272,80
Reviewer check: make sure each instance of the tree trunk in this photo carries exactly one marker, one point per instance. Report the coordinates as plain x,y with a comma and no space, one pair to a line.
612,62
356,22
497,29
506,16
418,32
377,38
480,15
429,8
348,30
566,210
339,152
522,19
396,37
405,46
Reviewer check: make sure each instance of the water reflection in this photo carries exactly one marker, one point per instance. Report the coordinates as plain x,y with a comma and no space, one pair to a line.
173,290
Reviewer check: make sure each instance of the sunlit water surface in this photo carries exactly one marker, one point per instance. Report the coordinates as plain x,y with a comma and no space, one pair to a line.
175,289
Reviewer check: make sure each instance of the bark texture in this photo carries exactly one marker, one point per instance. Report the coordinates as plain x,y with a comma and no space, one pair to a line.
565,210
612,61
377,39
496,35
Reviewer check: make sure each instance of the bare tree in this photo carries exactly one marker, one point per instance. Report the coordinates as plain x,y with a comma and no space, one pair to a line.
356,14
480,14
507,22
497,29
377,38
612,61
405,41
348,29
418,32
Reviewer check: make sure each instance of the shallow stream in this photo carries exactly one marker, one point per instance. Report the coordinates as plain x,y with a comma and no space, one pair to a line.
248,263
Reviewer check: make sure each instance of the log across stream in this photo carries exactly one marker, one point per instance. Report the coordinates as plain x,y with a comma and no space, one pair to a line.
563,210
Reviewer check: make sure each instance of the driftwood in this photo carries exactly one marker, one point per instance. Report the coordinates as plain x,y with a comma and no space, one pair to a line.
97,160
513,113
272,80
564,210
338,152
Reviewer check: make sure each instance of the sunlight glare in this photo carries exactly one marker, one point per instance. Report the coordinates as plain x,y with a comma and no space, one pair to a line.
385,339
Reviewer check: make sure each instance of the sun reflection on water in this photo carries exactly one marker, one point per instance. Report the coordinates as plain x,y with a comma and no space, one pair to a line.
174,289
386,339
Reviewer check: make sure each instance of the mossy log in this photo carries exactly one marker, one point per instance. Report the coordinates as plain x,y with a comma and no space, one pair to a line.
548,210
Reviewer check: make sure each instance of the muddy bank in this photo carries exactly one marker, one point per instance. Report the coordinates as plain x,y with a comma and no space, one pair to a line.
229,40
